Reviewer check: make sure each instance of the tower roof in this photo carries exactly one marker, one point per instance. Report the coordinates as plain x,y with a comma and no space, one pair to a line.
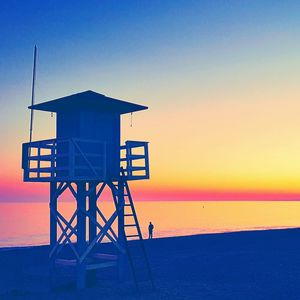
88,100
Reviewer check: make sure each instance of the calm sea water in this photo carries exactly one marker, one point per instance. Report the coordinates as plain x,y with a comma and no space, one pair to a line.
23,224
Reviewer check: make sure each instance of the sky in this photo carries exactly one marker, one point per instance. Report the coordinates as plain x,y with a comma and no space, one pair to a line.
221,79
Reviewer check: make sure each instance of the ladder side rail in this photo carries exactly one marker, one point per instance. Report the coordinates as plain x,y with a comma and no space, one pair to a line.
139,233
131,262
132,208
115,192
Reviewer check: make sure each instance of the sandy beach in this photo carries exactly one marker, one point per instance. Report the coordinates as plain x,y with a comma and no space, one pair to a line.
240,265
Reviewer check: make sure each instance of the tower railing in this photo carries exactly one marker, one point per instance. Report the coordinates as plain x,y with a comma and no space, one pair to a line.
64,160
77,159
135,160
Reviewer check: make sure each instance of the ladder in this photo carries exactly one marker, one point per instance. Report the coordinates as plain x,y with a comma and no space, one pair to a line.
127,211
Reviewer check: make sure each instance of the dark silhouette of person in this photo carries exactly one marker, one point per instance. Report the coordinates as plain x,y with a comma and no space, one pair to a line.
150,229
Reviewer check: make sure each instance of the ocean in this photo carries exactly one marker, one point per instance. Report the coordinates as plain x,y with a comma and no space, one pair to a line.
26,224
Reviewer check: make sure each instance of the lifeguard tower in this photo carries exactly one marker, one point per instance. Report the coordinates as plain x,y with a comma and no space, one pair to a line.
85,158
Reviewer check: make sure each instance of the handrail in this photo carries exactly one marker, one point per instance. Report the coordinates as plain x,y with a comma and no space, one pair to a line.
55,140
134,144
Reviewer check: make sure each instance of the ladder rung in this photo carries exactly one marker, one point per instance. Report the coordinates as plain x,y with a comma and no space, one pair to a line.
126,205
128,215
129,225
133,235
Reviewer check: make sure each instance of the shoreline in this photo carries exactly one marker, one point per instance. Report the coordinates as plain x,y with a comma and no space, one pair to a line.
8,248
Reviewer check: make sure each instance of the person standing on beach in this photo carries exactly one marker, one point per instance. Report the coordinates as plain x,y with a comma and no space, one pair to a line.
150,230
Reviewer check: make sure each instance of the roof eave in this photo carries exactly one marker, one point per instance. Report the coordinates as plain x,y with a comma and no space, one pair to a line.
122,112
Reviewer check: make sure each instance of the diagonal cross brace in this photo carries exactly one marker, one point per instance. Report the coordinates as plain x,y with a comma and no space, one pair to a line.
69,185
64,230
105,221
100,190
57,245
100,236
105,233
60,246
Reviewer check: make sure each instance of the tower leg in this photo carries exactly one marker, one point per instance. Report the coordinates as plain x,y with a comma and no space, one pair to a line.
53,227
91,274
81,236
92,210
121,233
53,206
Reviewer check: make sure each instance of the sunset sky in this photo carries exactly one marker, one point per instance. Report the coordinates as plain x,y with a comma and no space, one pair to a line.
221,79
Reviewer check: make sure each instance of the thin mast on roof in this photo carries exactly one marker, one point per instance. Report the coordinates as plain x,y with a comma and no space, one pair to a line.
32,92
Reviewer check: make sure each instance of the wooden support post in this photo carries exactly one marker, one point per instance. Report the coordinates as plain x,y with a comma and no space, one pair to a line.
121,232
91,274
92,210
53,228
53,205
81,235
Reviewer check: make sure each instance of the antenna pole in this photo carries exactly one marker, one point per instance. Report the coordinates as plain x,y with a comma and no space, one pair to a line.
32,92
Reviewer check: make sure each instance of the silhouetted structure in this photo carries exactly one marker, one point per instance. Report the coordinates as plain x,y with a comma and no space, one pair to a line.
85,158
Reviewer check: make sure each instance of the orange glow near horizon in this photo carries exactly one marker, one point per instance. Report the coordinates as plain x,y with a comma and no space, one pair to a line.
234,151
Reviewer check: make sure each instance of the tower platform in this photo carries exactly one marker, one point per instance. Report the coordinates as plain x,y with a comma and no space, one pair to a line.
75,159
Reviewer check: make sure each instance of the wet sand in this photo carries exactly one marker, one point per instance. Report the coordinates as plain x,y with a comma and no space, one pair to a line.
240,265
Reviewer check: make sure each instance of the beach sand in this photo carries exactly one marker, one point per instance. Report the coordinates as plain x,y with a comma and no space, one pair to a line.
239,265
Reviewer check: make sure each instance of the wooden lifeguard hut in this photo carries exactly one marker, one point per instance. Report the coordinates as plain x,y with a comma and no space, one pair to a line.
85,158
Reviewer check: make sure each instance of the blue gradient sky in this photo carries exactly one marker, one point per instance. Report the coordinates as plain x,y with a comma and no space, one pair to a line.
217,76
